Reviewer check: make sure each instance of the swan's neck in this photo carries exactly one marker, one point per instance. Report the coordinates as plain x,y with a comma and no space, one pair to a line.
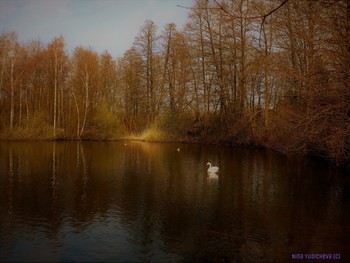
209,165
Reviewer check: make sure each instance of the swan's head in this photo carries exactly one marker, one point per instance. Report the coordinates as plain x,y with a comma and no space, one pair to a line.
209,164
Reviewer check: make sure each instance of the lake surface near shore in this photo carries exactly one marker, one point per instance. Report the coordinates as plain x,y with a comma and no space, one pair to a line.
149,202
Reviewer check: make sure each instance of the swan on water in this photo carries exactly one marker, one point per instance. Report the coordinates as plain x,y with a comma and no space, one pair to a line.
212,169
178,149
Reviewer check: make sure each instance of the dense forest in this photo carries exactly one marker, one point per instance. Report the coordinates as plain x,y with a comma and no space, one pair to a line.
236,73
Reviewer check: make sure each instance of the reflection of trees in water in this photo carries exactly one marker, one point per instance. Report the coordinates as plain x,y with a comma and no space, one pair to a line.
82,201
35,187
160,203
53,176
164,200
10,185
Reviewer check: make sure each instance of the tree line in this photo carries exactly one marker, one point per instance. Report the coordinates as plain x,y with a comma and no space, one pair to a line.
231,74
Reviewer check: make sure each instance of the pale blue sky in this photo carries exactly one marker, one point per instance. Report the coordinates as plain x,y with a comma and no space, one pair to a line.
100,24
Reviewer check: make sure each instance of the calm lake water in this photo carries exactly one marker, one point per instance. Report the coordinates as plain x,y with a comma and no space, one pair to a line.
144,202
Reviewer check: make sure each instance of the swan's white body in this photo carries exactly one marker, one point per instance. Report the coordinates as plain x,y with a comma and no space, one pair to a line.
212,169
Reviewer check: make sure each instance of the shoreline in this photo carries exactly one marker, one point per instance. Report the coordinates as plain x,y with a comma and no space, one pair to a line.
193,140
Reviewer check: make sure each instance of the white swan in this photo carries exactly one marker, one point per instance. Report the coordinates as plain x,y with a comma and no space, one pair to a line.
212,169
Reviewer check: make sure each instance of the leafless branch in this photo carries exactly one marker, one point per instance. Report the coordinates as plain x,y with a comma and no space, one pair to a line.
274,10
222,8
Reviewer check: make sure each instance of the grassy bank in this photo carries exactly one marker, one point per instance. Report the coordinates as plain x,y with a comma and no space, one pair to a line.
286,140
210,131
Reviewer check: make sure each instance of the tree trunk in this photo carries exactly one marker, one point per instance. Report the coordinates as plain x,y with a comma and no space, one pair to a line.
12,103
55,98
86,101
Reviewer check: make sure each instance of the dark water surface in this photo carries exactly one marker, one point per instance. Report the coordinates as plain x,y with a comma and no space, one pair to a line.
142,202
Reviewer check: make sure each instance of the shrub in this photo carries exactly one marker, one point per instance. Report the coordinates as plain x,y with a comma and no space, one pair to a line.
38,128
173,124
105,122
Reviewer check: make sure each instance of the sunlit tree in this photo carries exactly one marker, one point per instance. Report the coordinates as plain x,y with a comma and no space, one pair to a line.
84,82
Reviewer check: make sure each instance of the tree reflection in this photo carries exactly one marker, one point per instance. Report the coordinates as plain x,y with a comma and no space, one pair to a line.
161,203
10,186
